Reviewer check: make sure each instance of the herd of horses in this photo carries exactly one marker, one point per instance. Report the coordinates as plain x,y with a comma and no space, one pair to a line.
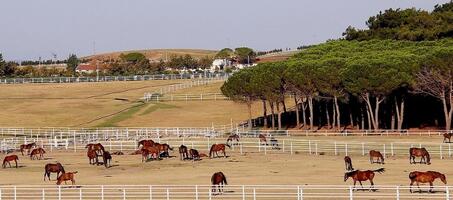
415,176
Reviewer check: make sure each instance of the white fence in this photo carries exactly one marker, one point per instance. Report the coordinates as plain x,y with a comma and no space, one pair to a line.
198,192
384,132
188,97
109,78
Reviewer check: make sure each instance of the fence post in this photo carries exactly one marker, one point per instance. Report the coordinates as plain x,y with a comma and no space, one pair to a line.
301,194
59,193
241,148
80,193
254,194
391,149
43,194
363,149
309,147
449,149
124,193
350,193
283,149
168,194
291,147
102,192
209,193
243,192
440,151
397,192
75,142
335,144
384,152
150,192
15,192
346,149
316,148
196,192
447,193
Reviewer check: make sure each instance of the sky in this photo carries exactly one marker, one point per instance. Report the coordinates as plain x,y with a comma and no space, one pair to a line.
33,29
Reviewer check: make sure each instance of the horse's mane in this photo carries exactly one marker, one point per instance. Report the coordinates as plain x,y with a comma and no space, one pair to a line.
437,174
351,173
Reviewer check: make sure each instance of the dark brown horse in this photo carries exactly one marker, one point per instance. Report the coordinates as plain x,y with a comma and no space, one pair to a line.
215,148
194,154
163,148
183,153
378,155
145,143
92,156
348,163
98,148
447,136
419,152
39,151
69,176
148,152
53,168
425,177
218,179
232,138
27,147
10,158
107,159
362,176
263,139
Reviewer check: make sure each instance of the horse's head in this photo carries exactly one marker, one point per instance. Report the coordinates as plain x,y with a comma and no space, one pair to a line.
443,178
346,176
228,146
87,146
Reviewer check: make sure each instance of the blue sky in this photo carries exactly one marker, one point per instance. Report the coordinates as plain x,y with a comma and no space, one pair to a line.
30,29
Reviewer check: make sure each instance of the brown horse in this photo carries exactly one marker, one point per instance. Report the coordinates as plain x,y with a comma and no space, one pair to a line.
27,147
262,139
378,155
447,136
194,154
150,151
92,156
163,148
69,176
231,138
362,176
10,158
215,148
53,168
145,143
348,163
419,152
107,159
39,151
218,179
98,148
425,177
183,154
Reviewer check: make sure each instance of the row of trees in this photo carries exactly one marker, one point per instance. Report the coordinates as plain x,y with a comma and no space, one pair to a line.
407,24
242,55
351,83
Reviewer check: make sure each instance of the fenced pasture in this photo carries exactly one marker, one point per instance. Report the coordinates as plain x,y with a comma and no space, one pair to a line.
198,192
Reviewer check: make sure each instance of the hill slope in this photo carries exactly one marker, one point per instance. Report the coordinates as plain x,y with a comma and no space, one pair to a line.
156,54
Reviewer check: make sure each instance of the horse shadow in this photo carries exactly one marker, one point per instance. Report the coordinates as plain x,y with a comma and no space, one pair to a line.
366,189
427,192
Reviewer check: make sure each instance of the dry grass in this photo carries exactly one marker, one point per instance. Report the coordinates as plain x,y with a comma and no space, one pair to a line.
157,54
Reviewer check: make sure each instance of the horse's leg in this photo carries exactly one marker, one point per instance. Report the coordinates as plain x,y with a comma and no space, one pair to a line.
355,181
418,185
372,184
224,154
16,162
431,187
361,184
410,186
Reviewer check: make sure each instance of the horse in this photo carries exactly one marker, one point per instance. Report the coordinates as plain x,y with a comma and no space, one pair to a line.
36,152
348,163
194,154
66,177
163,148
147,151
216,148
262,139
425,177
447,136
98,148
231,138
419,152
27,147
378,155
145,143
92,156
218,179
183,152
274,143
107,159
53,168
360,176
10,158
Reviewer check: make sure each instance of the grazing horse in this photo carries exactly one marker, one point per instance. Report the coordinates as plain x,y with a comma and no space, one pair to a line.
98,148
150,151
27,147
218,179
378,155
447,136
194,154
348,163
425,177
107,159
53,168
145,143
163,148
419,152
183,152
35,152
360,176
10,158
262,139
216,148
66,177
92,156
231,138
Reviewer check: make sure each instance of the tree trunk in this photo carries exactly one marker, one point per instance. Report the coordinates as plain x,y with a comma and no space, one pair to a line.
337,108
351,119
264,114
363,119
399,113
249,106
279,116
392,122
284,105
296,103
273,114
334,116
327,116
369,119
373,113
310,107
304,116
448,111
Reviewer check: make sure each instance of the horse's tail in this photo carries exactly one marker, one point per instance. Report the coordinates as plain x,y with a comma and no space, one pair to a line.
428,158
224,178
211,150
412,175
380,170
212,179
169,147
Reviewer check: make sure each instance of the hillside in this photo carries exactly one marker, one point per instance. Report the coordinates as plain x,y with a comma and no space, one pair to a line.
156,54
